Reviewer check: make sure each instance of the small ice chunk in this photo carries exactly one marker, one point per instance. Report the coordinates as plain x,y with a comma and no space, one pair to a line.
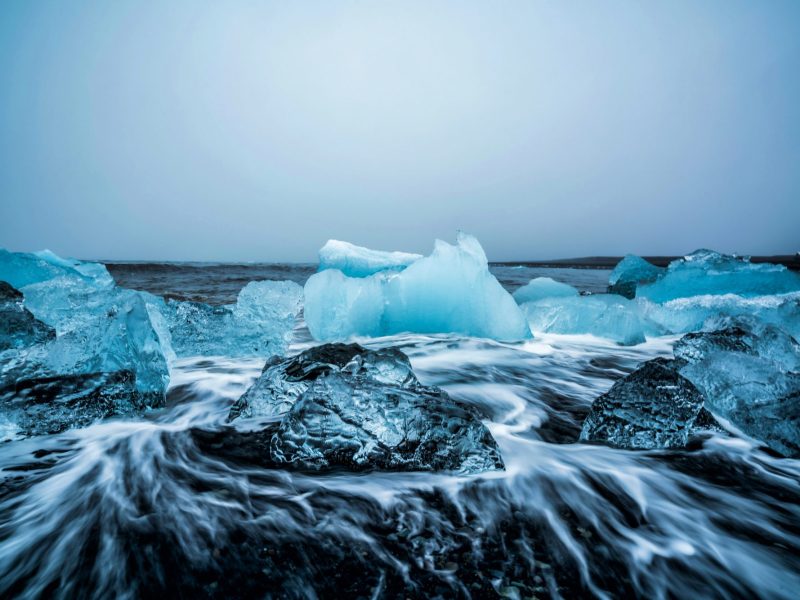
604,315
653,407
20,268
357,261
450,291
708,272
260,323
632,271
543,287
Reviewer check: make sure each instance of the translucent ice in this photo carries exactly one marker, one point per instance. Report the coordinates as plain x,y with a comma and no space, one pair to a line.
18,327
708,272
451,290
749,374
543,287
260,323
101,356
632,271
356,261
358,424
603,315
653,407
21,269
282,381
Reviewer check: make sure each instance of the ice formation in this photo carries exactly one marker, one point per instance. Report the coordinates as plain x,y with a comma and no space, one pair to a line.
450,291
603,315
260,323
543,287
282,381
357,261
708,272
94,352
344,406
653,407
632,271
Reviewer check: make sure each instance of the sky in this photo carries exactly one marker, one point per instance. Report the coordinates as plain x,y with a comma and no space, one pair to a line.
254,131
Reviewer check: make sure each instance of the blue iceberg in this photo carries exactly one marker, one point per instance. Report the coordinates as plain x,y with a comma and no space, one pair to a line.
260,323
708,272
357,261
604,315
543,287
630,272
450,291
20,269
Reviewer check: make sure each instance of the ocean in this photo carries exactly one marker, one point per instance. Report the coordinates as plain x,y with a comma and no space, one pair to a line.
150,508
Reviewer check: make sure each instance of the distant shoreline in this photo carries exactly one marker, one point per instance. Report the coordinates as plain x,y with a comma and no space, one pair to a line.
609,262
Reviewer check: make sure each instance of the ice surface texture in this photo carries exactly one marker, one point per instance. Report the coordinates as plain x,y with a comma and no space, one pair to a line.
260,323
90,351
630,272
653,407
282,381
708,272
604,315
543,287
356,409
18,327
356,261
450,291
749,374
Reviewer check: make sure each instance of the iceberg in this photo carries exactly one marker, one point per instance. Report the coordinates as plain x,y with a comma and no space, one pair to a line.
630,272
543,287
260,323
707,272
653,407
343,406
357,261
18,327
20,268
283,381
450,291
604,315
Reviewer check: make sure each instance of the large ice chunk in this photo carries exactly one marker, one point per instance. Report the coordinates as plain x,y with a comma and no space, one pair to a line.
18,327
104,359
604,315
631,271
260,323
543,287
450,291
653,407
708,272
357,261
344,406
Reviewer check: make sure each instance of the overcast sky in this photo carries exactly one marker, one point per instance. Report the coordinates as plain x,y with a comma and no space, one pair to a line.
254,130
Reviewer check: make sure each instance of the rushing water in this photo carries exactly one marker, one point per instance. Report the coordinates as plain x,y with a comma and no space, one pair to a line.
151,507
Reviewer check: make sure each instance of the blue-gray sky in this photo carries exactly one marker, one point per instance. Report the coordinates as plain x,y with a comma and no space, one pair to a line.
247,130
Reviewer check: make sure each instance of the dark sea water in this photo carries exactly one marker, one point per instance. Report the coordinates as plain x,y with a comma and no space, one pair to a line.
131,509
